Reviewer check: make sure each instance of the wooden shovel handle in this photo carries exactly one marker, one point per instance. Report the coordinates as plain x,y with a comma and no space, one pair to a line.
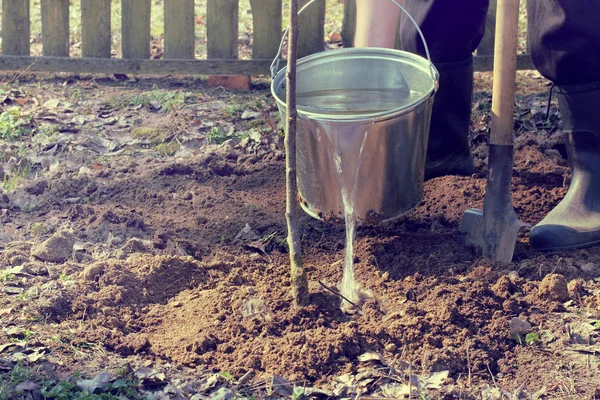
505,71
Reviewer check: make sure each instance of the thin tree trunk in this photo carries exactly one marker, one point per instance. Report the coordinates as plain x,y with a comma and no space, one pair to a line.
299,282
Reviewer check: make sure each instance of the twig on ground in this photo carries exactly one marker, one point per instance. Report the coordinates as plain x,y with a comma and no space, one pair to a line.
469,365
338,294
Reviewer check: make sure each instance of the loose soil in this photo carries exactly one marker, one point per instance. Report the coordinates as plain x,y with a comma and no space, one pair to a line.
157,276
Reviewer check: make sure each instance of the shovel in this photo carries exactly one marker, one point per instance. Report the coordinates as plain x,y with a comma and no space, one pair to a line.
493,232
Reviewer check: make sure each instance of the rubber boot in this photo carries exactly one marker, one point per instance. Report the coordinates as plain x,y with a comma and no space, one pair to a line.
448,151
575,221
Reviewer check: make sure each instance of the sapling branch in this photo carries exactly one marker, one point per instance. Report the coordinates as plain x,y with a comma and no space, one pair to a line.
299,281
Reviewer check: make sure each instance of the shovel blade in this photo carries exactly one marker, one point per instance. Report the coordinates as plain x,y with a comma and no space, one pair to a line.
492,236
471,229
493,231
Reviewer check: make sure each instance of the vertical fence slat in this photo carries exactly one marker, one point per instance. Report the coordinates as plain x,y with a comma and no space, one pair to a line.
179,29
311,27
267,22
55,27
15,27
95,28
486,47
135,28
222,29
349,23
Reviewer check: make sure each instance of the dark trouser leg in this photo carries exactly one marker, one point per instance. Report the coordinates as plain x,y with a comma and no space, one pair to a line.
564,38
453,30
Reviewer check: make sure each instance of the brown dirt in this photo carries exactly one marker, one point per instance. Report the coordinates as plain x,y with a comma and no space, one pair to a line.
158,275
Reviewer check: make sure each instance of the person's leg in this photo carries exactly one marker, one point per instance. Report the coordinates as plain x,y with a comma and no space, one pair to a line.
453,30
564,38
376,23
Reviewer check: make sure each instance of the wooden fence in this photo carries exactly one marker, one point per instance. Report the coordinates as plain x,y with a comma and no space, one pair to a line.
179,37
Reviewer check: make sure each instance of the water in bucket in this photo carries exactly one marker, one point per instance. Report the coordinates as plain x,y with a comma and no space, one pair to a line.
352,101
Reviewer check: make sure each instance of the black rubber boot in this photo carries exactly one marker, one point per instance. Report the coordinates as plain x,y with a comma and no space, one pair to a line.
575,221
448,151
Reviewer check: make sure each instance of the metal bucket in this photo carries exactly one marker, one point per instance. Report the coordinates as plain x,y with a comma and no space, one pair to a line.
388,161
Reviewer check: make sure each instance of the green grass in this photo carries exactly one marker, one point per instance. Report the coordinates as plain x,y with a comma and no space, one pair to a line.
219,136
11,182
123,386
29,207
6,276
14,124
45,134
157,100
168,149
38,229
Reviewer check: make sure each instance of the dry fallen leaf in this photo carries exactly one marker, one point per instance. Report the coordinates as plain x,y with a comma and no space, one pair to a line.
99,382
27,386
372,356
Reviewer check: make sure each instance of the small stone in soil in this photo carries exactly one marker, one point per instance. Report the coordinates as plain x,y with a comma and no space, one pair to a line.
391,347
135,245
576,287
554,287
589,267
5,237
91,272
57,249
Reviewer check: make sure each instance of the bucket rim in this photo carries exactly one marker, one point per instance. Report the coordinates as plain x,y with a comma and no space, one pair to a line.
383,115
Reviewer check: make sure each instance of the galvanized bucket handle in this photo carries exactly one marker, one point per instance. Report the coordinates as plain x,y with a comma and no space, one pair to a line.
276,61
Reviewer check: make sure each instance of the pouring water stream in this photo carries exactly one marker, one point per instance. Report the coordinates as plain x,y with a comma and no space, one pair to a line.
349,288
348,140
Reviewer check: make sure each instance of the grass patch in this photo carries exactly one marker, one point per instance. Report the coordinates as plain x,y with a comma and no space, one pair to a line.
219,136
14,124
6,276
168,149
11,181
38,229
45,134
29,207
18,382
151,134
155,100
